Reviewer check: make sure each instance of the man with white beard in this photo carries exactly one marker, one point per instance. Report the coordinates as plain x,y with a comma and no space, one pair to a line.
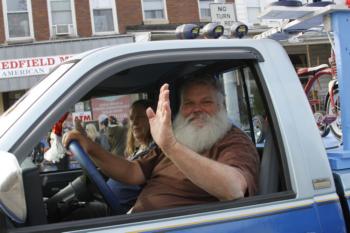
202,159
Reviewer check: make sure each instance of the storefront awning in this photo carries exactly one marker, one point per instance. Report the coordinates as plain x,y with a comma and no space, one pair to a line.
23,66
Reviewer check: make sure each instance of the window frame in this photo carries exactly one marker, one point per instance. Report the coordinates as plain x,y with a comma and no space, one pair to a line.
201,18
30,22
74,23
165,20
114,15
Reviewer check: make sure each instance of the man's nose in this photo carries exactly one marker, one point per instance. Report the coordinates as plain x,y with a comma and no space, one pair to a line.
196,108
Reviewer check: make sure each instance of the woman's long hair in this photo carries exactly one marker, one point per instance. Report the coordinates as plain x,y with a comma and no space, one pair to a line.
131,146
92,132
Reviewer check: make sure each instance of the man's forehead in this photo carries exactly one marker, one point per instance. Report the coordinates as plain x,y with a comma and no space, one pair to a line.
198,85
198,89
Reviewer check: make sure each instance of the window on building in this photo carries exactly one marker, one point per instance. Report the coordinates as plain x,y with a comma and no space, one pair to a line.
104,16
61,19
204,9
253,11
18,17
153,9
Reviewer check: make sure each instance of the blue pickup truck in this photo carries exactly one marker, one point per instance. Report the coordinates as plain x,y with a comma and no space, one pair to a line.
298,191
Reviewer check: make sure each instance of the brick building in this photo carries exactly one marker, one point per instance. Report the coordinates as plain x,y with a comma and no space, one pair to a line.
35,35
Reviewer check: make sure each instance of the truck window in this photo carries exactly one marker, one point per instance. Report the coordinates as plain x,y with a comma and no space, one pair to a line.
247,108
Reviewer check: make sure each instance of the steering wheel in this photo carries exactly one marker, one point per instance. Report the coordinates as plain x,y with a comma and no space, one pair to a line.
92,172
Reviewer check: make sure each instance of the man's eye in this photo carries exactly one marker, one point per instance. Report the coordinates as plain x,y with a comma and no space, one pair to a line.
207,102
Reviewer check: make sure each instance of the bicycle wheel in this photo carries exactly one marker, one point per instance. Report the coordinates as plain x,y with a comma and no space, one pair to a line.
316,91
323,127
335,126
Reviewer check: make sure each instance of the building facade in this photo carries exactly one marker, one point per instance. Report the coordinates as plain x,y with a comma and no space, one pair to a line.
35,35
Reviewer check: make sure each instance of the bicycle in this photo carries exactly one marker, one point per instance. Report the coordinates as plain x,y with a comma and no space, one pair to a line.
316,81
333,101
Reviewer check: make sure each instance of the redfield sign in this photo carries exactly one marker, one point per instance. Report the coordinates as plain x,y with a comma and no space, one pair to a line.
30,66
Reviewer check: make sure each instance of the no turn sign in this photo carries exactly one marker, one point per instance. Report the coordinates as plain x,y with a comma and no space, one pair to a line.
223,14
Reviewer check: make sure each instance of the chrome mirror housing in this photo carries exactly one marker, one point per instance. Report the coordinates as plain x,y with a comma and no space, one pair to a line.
12,199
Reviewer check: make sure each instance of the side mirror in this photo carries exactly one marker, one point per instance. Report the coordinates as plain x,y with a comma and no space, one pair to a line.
187,31
12,199
238,29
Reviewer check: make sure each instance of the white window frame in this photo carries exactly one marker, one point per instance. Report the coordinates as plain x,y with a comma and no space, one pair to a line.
202,18
74,33
30,19
115,20
155,21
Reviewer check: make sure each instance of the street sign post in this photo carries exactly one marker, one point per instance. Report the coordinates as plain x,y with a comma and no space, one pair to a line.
223,14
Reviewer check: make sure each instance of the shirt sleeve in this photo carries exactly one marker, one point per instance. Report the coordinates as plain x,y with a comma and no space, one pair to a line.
149,161
238,151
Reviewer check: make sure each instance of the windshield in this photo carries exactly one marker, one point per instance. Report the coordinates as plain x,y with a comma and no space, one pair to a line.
13,113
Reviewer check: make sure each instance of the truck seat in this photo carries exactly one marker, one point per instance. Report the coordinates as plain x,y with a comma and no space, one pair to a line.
269,177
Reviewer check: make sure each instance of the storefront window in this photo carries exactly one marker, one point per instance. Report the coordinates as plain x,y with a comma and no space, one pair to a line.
10,98
104,15
298,60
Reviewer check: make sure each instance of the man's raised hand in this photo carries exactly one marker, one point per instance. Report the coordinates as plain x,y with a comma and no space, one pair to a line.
160,121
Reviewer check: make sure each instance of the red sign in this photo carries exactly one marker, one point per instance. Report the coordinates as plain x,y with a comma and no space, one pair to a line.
83,116
29,66
117,106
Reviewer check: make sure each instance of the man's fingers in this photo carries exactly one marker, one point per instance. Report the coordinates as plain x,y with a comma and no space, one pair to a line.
150,113
165,92
165,86
163,96
67,137
167,111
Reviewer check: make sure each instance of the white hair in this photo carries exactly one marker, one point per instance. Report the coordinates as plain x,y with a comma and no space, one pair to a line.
208,80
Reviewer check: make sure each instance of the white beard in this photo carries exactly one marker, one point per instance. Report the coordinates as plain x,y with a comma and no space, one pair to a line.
203,138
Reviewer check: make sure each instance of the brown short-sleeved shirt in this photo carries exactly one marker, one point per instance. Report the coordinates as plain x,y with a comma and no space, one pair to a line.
168,187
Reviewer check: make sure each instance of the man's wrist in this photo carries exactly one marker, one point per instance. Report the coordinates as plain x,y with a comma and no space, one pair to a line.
170,148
